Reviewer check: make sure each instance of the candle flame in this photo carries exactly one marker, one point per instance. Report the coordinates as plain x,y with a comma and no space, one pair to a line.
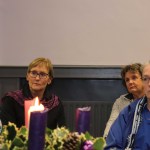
37,106
36,103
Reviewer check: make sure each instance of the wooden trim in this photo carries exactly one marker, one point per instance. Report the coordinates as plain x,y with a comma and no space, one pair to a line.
104,72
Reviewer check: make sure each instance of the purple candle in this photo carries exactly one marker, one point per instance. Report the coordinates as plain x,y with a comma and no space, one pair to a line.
83,119
38,122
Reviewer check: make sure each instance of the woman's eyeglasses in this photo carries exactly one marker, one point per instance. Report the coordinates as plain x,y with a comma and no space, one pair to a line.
41,75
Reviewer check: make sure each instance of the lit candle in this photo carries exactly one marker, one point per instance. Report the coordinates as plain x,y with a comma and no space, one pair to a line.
83,119
37,126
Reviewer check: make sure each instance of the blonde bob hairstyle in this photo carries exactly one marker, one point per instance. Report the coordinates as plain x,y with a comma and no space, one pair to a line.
42,61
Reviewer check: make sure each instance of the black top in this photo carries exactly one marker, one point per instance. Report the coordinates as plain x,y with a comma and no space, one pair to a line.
12,108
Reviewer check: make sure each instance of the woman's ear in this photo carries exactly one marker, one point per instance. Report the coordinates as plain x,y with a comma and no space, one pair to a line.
49,81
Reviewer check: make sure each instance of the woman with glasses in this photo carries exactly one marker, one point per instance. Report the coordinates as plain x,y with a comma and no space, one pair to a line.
132,80
39,78
131,130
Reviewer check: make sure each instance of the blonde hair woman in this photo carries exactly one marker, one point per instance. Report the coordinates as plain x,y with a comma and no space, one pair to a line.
39,76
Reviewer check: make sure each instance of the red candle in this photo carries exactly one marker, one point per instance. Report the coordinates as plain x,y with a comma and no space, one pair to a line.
27,105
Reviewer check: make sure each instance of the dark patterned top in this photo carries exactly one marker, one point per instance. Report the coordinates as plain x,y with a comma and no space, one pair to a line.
12,107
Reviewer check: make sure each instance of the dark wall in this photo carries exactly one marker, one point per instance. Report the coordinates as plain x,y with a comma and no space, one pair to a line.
88,89
79,89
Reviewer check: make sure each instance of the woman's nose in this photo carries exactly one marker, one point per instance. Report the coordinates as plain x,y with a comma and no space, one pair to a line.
37,77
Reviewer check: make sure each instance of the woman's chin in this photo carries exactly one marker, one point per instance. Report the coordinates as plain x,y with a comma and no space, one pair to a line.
37,89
